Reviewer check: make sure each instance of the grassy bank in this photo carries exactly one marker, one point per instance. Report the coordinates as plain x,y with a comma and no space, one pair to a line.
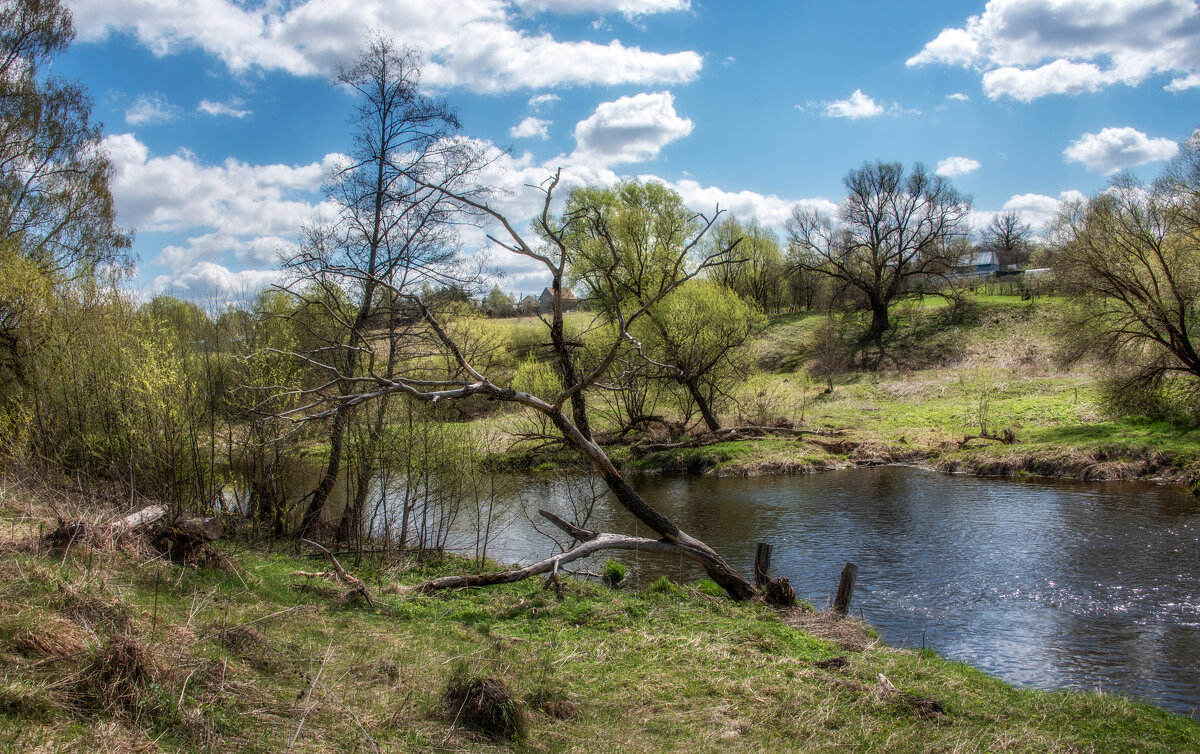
949,373
108,648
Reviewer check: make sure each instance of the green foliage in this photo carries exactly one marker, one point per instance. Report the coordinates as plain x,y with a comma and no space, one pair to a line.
613,573
663,585
537,378
1130,258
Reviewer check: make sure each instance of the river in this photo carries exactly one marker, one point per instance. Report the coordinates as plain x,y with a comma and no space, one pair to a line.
1050,584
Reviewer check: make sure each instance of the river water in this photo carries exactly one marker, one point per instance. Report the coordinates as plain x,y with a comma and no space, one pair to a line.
1043,583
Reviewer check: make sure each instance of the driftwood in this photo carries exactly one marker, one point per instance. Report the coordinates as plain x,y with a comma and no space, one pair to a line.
358,587
590,542
1006,437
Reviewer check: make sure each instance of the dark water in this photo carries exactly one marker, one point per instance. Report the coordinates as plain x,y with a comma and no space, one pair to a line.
1046,584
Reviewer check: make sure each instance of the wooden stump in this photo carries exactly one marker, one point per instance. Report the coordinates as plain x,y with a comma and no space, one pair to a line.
841,603
780,592
762,564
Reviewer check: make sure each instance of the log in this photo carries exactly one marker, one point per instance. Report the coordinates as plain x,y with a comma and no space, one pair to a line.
75,531
139,520
592,542
762,564
841,603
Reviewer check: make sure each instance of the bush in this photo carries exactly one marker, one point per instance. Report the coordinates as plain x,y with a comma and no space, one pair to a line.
663,586
613,573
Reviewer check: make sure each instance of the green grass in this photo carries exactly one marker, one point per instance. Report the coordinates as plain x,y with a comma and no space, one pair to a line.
239,651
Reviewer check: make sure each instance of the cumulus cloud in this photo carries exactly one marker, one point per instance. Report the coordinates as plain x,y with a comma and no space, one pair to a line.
1035,209
178,193
958,97
531,128
151,109
209,280
477,44
952,166
1059,77
539,101
1116,148
1034,48
630,129
217,109
857,106
628,8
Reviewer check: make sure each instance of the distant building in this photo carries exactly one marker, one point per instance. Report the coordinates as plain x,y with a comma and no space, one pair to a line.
528,305
546,300
982,264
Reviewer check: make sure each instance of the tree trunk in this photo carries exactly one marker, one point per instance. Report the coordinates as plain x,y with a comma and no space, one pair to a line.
879,321
734,584
710,419
316,504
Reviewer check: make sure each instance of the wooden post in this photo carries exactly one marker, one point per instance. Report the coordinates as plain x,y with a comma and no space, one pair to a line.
841,603
762,564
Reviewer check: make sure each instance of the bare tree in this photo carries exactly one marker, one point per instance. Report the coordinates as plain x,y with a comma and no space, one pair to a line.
891,232
1008,237
554,255
392,233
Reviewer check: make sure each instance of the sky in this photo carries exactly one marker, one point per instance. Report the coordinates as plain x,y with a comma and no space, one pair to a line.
221,122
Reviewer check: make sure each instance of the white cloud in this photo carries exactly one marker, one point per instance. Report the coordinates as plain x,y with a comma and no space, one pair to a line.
178,193
262,251
531,128
958,97
630,129
476,44
1035,209
1034,48
151,109
1115,148
952,166
857,106
539,101
216,282
769,209
217,109
629,8
1059,77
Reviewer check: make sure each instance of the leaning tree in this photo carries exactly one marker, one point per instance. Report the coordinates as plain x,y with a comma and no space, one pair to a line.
553,251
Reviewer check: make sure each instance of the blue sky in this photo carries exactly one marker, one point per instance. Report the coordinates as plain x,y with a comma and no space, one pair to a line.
221,122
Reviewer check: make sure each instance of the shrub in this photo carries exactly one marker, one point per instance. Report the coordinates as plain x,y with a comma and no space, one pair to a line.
613,573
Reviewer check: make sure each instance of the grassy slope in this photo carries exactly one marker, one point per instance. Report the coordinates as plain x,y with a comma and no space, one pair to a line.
239,653
928,398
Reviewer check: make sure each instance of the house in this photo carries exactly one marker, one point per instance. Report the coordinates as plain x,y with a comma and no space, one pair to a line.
546,300
982,264
527,306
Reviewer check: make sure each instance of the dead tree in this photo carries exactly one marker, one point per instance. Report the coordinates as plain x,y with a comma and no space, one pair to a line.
562,410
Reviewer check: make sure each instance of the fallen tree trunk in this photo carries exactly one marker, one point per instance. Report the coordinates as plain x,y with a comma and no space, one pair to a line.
78,531
592,542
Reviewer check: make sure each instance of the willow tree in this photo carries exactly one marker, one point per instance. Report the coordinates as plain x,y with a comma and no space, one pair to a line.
555,254
1130,259
58,224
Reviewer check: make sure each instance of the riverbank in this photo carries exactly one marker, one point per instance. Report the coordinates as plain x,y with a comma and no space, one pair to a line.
985,371
110,649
